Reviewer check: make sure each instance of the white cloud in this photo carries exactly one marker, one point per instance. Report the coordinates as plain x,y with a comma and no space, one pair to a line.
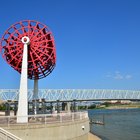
108,75
119,76
128,76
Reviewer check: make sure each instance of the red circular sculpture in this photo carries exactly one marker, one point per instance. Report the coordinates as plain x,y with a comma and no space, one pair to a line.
41,50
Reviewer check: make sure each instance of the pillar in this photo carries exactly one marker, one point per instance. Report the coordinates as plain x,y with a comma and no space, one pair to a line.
23,91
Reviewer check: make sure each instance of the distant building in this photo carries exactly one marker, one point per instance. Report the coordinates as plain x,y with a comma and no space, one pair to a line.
119,101
125,101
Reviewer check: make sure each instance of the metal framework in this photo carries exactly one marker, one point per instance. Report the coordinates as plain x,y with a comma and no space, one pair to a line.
28,47
73,94
41,51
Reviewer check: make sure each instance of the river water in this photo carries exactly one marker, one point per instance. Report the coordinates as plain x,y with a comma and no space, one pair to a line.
120,124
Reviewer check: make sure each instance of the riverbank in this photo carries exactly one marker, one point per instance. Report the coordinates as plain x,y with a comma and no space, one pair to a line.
123,107
93,137
111,106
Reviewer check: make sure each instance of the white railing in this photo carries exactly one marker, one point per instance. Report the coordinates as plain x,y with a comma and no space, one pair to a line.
7,121
5,135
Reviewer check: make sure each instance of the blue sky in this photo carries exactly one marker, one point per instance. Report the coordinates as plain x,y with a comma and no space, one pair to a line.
97,42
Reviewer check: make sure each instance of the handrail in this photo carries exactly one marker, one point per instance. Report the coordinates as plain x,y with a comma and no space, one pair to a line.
7,135
7,121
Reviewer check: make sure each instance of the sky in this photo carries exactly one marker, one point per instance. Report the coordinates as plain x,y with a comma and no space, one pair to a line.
97,42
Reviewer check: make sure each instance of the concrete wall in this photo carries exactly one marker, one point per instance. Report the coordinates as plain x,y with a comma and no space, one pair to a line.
58,131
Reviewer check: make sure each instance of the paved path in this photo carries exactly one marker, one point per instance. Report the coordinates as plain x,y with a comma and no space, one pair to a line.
93,137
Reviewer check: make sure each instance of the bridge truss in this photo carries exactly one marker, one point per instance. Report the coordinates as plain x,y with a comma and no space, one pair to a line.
73,94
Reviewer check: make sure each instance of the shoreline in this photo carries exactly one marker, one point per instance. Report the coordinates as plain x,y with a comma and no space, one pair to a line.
122,107
115,107
93,136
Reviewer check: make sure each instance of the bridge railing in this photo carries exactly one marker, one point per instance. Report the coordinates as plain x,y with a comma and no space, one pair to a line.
7,121
71,94
5,135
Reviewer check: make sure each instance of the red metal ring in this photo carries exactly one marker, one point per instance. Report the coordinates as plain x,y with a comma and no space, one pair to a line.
41,50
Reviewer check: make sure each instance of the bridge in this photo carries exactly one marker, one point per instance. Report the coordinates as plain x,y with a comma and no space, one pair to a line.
52,95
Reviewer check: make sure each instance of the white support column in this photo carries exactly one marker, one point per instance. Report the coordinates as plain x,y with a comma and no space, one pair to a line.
35,95
68,107
23,92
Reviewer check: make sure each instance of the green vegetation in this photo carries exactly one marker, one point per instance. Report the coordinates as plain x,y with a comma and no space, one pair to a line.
82,107
2,107
92,106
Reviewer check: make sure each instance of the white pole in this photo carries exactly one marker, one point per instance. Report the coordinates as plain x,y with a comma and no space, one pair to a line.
23,92
35,95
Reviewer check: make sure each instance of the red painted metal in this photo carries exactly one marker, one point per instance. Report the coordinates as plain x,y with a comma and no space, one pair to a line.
41,50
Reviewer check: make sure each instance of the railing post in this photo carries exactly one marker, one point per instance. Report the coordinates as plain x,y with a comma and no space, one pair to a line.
8,120
60,117
80,115
72,116
28,120
45,119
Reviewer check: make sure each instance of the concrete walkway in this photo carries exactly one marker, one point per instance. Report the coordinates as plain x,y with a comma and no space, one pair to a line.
93,137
